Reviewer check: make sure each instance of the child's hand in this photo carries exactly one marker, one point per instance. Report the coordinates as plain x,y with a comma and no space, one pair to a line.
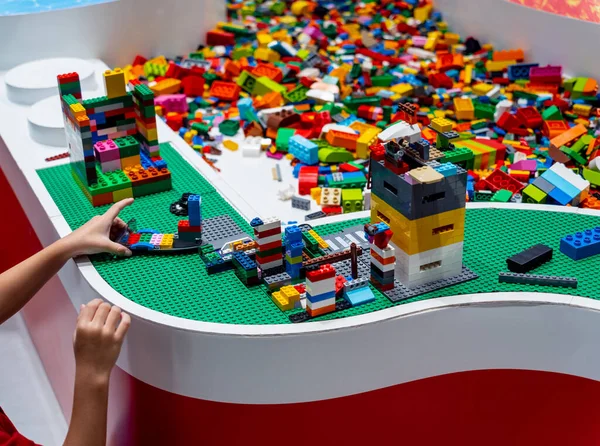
98,234
97,341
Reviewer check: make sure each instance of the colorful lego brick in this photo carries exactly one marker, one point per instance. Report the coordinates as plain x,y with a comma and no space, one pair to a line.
581,245
303,149
114,81
352,200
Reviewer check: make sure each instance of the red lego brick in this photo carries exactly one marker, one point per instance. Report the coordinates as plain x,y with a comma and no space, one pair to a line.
268,259
184,226
267,233
301,288
134,238
193,85
332,210
326,271
308,178
381,287
339,285
67,78
440,80
220,38
102,199
508,121
269,246
139,60
382,239
499,180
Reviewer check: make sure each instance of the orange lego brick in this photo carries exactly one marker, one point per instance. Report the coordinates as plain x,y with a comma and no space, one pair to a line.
568,136
226,91
503,55
269,71
342,139
552,129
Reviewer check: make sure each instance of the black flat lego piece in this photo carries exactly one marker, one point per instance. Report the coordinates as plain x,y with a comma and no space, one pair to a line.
529,259
315,215
401,292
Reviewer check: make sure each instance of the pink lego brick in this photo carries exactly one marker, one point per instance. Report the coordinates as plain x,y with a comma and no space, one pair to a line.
106,151
172,103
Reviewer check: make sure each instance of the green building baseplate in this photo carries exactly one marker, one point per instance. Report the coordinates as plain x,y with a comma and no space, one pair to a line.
179,285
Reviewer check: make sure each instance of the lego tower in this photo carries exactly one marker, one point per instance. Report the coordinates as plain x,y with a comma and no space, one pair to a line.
113,143
422,202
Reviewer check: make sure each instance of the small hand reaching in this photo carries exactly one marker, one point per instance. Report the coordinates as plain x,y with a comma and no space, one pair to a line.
97,341
98,234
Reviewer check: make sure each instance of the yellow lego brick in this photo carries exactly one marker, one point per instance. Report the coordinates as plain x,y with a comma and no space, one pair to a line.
322,243
482,89
441,125
166,242
582,109
402,89
130,161
452,38
468,76
231,145
166,86
422,14
158,60
426,175
77,110
290,293
121,194
152,134
263,39
498,65
281,301
300,7
423,234
114,81
463,109
430,43
315,194
365,140
266,54
331,196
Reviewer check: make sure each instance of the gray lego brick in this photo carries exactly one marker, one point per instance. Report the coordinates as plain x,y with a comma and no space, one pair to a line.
220,230
400,292
537,279
543,185
276,281
301,203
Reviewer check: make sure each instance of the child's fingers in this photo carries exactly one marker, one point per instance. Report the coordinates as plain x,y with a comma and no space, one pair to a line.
101,314
123,327
114,316
114,210
117,249
88,311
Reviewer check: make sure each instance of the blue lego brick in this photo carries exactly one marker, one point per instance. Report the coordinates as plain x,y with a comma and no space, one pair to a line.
560,183
359,296
303,149
320,297
194,210
293,234
218,265
447,169
581,245
520,70
256,222
244,261
295,249
293,270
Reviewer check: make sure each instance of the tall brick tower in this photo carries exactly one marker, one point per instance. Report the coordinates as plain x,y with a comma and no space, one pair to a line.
423,203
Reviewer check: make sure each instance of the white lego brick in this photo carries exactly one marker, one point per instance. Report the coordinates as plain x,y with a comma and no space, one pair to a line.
110,166
411,264
320,96
106,108
103,132
595,164
367,199
309,72
381,266
386,253
493,92
570,176
323,86
269,265
321,304
261,241
338,127
421,54
321,286
414,135
268,224
394,131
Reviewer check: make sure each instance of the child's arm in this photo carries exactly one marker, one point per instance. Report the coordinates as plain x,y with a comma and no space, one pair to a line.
21,282
97,342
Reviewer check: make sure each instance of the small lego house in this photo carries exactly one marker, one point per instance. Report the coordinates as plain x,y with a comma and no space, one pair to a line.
423,203
113,142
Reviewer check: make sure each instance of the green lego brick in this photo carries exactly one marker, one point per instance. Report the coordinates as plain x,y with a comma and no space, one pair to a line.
483,111
283,138
247,81
240,52
297,94
128,146
353,103
384,80
70,99
109,182
460,155
352,200
143,92
592,176
265,85
502,196
151,188
576,157
552,114
229,127
532,194
328,154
